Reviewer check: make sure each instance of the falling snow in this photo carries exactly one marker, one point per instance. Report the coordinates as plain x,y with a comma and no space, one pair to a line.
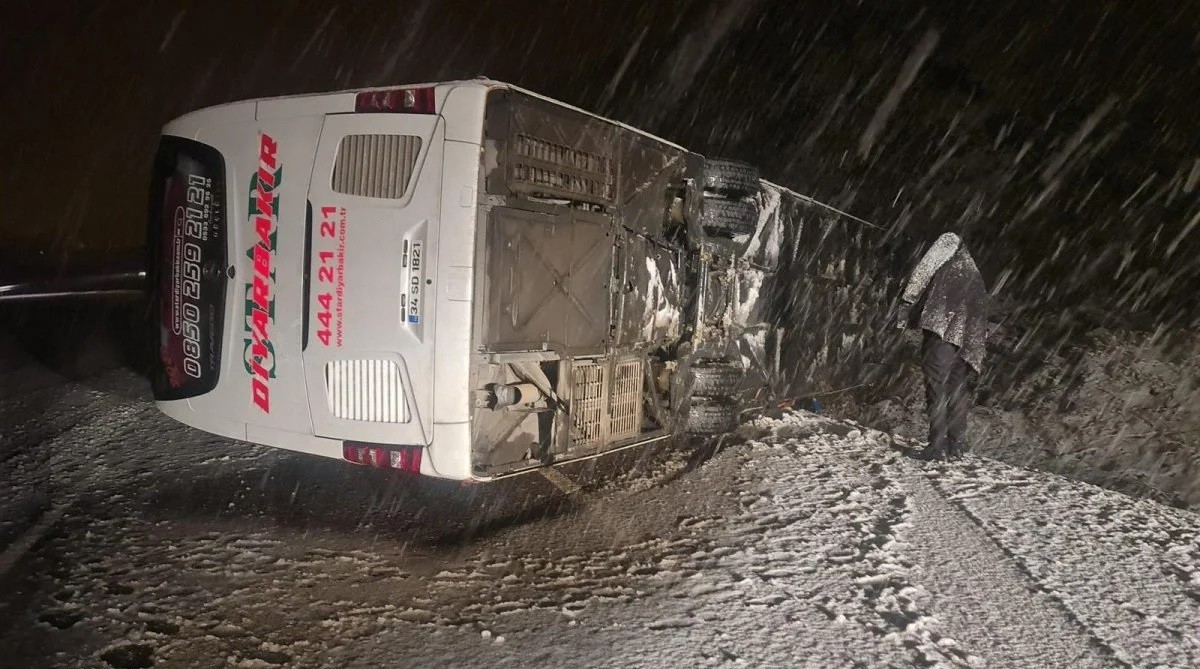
1060,139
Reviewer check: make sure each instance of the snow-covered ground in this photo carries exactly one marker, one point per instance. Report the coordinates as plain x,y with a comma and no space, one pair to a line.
1119,409
802,541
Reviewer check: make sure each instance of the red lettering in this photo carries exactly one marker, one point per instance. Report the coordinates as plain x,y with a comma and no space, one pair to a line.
259,371
262,225
267,149
262,394
264,202
262,261
260,322
258,349
261,287
266,180
261,297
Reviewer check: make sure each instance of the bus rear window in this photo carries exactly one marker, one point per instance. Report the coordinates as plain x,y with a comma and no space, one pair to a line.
186,242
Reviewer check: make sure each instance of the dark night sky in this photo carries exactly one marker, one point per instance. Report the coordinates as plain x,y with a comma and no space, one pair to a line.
1042,124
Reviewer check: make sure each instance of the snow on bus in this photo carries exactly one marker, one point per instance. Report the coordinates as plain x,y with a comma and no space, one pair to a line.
464,279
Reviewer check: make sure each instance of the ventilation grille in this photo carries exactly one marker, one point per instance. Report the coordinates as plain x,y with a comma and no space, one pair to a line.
606,404
587,404
546,168
375,165
366,390
625,411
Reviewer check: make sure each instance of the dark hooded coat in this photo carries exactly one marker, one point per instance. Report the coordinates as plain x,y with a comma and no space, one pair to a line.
948,298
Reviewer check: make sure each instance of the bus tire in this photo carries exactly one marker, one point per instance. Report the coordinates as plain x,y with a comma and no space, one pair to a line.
730,178
728,218
716,380
712,418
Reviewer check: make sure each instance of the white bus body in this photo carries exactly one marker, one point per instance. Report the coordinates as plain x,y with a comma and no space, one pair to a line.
463,279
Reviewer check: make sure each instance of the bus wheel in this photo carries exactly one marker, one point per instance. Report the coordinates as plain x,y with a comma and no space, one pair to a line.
730,178
712,417
716,380
728,218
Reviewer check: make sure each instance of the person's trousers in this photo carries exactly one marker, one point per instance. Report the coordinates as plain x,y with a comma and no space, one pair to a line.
947,394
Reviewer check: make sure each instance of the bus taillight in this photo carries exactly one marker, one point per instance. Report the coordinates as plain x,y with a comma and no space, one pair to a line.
404,458
396,100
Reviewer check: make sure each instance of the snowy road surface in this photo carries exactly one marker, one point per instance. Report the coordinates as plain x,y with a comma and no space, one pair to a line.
804,542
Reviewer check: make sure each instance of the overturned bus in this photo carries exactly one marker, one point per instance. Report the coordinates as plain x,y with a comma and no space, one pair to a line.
465,280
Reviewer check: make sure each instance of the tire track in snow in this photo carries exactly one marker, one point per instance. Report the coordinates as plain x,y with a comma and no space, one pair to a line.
978,588
907,604
1104,587
870,509
829,548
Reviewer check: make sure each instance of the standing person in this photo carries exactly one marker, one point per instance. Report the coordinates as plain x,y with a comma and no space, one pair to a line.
946,298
